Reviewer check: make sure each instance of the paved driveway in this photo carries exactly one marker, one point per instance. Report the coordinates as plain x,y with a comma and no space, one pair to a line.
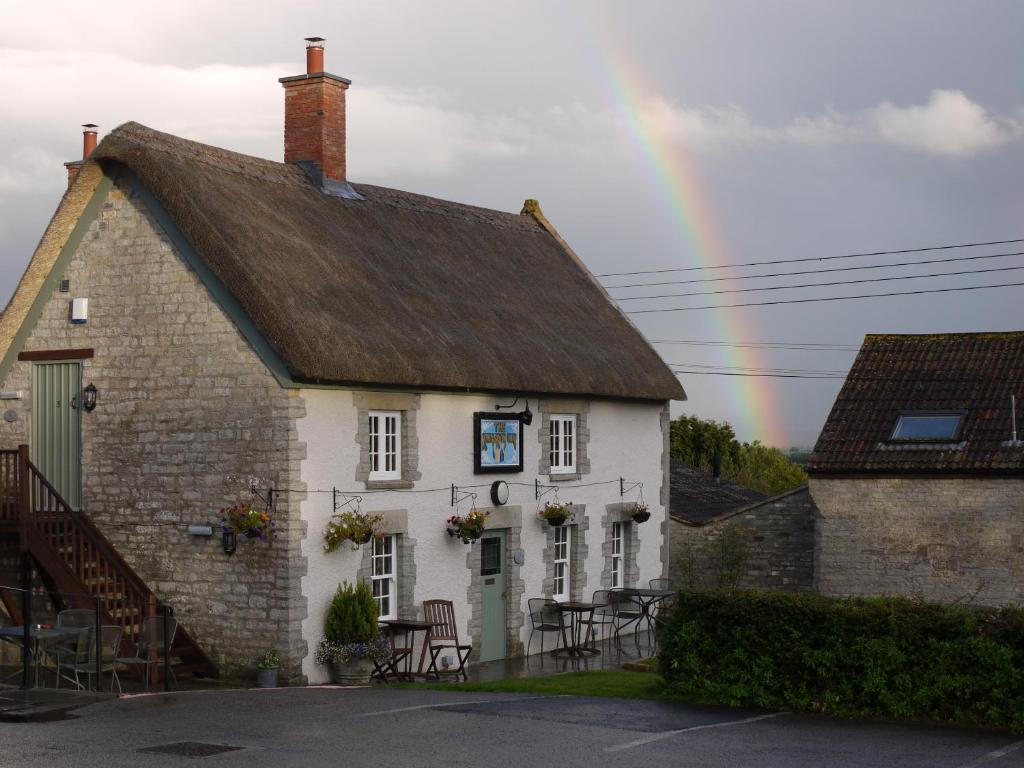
372,727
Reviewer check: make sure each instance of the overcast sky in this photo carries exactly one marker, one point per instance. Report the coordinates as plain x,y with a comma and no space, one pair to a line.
655,135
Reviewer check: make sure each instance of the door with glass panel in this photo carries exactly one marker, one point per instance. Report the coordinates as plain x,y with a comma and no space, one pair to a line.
493,629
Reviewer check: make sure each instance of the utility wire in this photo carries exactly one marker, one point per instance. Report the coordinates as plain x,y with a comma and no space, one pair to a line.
823,285
767,345
818,271
755,368
826,298
811,258
755,375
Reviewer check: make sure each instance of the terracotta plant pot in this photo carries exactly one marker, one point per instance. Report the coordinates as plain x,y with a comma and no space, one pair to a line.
355,672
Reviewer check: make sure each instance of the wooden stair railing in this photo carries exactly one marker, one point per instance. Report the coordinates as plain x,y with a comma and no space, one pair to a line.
78,560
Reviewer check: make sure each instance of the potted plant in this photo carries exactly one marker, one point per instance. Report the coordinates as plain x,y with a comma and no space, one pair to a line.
555,513
641,514
468,528
267,665
352,642
357,528
244,519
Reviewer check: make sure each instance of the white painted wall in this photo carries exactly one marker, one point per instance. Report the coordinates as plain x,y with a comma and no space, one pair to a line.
625,441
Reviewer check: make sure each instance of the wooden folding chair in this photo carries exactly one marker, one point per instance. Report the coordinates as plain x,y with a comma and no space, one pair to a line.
389,667
444,635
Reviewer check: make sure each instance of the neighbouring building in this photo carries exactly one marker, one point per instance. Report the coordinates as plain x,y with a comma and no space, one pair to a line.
919,471
199,327
722,534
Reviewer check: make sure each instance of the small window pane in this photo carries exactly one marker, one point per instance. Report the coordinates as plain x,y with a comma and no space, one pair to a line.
490,556
930,427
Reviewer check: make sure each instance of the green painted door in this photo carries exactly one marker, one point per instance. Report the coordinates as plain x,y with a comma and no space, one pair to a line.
492,581
56,426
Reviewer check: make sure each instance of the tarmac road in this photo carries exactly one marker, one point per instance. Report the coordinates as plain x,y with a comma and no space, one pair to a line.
312,727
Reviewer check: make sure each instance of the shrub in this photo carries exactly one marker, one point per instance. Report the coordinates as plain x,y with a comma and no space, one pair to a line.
352,615
882,657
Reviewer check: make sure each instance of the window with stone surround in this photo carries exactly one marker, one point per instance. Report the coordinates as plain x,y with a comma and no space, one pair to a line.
385,445
564,435
387,439
562,454
562,587
384,575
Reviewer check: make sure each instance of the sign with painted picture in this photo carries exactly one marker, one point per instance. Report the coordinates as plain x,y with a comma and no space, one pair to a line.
497,441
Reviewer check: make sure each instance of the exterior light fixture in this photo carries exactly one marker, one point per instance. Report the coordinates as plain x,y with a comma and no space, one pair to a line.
89,398
499,493
525,416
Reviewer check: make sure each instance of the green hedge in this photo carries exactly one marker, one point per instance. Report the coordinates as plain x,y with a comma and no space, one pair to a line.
881,657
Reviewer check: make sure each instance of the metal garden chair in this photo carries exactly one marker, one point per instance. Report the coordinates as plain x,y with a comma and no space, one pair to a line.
543,618
149,651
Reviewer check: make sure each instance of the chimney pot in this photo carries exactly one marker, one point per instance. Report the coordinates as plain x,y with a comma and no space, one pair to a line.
88,139
314,55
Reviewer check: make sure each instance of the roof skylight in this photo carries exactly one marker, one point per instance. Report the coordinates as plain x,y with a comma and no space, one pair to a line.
928,427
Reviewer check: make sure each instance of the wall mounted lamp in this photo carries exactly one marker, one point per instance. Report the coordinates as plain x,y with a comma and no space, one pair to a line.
525,415
89,398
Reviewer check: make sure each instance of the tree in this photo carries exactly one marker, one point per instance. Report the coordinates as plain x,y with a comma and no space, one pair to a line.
696,442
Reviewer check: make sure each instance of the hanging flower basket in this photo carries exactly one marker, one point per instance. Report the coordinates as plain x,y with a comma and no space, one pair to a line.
357,528
554,513
468,528
244,519
641,514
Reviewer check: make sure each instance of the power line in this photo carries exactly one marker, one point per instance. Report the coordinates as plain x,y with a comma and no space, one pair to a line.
817,271
755,368
767,345
822,285
755,375
811,258
826,298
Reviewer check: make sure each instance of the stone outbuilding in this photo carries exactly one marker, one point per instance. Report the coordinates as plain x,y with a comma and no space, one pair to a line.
199,328
919,471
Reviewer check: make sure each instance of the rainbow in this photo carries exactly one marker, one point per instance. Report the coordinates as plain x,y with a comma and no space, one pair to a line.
680,186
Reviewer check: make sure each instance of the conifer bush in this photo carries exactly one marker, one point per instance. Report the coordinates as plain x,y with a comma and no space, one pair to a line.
352,615
875,657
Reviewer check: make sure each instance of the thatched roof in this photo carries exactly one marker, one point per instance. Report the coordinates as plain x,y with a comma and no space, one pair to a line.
973,374
397,288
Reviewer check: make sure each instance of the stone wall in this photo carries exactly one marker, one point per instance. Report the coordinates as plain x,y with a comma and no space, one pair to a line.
188,420
938,539
768,545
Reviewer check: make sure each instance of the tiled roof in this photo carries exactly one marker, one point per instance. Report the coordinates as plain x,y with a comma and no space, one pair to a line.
971,372
698,496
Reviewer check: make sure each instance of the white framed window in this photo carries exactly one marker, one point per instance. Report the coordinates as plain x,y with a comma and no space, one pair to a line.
385,445
384,576
563,443
618,555
563,566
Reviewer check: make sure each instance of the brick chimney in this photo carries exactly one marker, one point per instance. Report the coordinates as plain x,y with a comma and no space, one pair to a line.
314,117
88,145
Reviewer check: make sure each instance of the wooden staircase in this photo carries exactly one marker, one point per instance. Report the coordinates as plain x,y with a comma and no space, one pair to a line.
78,565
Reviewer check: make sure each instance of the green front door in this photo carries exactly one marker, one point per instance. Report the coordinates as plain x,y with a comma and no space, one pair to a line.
56,435
492,581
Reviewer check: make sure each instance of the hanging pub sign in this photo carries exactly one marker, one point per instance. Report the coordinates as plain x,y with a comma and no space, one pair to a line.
497,443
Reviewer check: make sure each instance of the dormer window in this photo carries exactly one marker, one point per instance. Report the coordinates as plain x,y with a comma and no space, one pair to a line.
928,427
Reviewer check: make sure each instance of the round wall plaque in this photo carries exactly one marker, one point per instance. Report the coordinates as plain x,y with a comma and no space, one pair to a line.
10,416
499,492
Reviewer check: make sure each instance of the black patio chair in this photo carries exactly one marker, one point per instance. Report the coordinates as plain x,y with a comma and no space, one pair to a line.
543,618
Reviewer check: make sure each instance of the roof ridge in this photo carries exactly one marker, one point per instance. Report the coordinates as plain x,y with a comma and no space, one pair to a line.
273,171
